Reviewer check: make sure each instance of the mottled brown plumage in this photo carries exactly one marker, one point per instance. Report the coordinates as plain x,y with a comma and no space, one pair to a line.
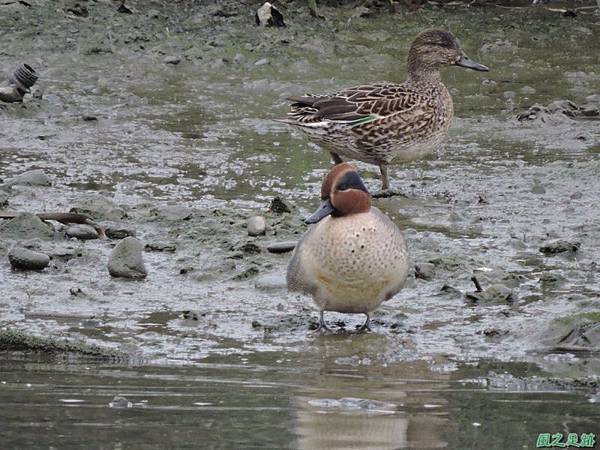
387,123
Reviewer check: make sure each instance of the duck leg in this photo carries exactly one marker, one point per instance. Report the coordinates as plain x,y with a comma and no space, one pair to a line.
322,325
385,181
366,326
336,158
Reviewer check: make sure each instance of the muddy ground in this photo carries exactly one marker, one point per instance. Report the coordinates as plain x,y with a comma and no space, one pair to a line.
159,123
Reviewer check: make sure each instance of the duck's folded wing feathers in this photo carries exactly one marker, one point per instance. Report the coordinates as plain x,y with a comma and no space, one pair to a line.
358,105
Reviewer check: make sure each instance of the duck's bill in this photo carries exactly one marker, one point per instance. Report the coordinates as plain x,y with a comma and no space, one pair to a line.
468,63
325,208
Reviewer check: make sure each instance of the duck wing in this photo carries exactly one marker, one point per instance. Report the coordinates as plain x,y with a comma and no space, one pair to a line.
360,105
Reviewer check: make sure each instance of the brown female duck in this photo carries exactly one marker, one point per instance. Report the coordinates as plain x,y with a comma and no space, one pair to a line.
387,123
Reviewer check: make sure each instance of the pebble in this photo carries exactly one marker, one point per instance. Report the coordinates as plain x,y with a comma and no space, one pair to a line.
425,271
496,293
257,226
4,196
262,62
559,246
279,206
160,247
270,282
120,402
117,231
31,178
126,260
281,247
22,258
82,232
173,60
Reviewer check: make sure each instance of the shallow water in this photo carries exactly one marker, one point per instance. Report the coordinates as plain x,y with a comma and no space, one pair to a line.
200,135
283,400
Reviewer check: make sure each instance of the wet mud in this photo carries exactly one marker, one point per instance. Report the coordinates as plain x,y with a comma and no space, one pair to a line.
158,124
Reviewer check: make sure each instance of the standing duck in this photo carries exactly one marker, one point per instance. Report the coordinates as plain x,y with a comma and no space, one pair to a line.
354,257
387,123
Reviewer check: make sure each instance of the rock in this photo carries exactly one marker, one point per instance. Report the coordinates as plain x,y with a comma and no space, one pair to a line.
262,62
278,206
117,231
451,290
98,207
496,293
269,16
120,402
558,111
160,247
281,247
4,196
22,258
257,226
425,271
239,58
26,226
270,282
82,232
126,260
31,178
579,332
559,246
77,9
173,60
250,248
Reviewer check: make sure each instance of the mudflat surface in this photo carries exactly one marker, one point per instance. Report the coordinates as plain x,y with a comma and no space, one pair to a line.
211,344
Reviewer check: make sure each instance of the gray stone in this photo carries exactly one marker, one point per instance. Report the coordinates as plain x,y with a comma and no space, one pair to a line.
278,206
173,60
496,293
270,282
117,231
559,246
22,258
98,207
26,226
262,62
257,226
160,247
126,260
4,196
579,332
120,402
281,247
31,178
425,271
83,232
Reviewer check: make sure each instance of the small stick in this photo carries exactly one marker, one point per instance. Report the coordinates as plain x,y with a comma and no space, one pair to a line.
476,283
